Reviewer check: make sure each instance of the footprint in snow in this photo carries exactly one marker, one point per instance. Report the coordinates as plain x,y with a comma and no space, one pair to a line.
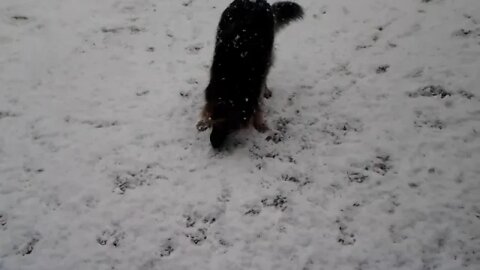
194,48
3,220
112,237
167,248
6,114
382,69
29,246
279,202
430,91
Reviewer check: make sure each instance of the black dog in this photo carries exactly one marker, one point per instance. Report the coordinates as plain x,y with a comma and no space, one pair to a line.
242,59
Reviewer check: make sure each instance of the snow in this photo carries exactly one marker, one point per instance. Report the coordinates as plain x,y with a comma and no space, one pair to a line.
374,163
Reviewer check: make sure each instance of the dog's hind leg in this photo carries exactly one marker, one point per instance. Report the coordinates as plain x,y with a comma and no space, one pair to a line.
259,123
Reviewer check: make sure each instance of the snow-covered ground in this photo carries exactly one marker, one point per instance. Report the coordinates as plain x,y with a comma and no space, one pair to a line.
375,163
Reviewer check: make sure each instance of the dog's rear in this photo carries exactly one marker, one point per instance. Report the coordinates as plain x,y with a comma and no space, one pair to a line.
242,59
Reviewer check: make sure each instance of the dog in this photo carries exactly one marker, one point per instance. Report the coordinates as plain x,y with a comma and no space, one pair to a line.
241,62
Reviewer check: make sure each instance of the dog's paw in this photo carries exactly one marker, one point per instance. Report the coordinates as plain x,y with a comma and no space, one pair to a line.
202,125
267,93
261,127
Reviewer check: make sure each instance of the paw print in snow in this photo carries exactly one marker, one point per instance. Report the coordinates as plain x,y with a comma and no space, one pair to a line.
430,91
29,246
113,237
194,48
3,220
278,202
198,236
345,237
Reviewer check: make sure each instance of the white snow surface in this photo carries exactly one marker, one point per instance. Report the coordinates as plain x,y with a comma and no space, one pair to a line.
374,163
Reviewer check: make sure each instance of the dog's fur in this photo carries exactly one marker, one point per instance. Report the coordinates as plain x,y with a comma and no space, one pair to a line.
242,59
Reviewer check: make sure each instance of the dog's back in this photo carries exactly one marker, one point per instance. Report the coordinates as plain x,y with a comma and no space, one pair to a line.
244,43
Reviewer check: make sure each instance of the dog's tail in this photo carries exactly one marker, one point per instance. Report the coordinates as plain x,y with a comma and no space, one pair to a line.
285,12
